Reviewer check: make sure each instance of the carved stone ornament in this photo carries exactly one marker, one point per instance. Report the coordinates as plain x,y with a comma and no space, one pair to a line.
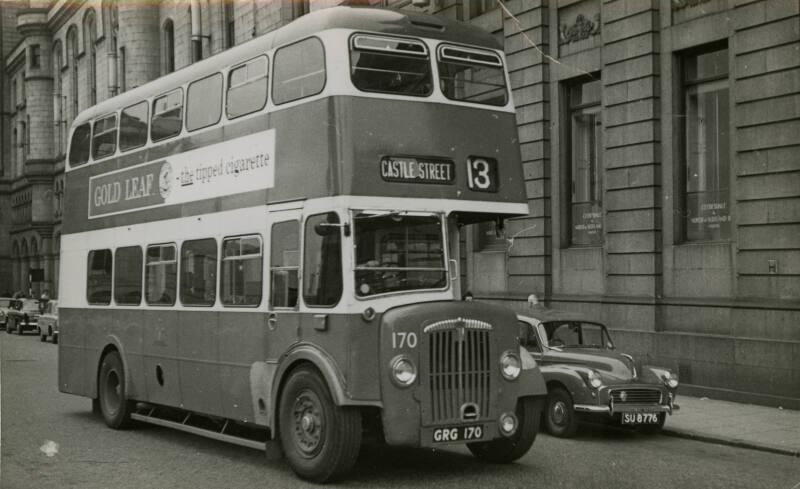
682,4
583,28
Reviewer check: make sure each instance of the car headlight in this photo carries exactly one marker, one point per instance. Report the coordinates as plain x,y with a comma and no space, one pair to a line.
671,380
404,372
510,365
595,380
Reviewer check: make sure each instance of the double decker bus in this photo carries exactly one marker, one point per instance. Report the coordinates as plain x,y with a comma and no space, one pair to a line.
264,247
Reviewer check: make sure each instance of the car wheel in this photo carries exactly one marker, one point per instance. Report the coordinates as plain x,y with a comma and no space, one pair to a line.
114,405
320,439
560,418
507,450
652,429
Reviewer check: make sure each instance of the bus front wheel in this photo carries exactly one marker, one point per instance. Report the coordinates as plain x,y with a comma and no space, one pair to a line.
114,405
507,450
320,439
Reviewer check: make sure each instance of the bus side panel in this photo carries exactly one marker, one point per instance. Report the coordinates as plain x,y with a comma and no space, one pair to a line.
71,352
241,344
160,350
199,371
127,328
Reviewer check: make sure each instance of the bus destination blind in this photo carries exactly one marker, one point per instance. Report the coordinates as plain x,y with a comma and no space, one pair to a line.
410,169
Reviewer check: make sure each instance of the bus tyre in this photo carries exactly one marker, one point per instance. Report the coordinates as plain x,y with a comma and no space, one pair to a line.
114,406
560,419
320,439
507,450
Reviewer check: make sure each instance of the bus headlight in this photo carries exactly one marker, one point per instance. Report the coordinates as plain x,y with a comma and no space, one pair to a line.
404,372
510,365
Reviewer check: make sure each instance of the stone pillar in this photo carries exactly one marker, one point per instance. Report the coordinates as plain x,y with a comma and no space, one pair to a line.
139,35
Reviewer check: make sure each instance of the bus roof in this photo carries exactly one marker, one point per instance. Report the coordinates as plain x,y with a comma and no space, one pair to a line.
388,21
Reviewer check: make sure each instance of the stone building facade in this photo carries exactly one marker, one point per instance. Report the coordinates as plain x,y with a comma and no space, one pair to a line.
660,140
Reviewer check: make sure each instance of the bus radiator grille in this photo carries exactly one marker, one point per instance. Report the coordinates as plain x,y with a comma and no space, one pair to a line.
459,373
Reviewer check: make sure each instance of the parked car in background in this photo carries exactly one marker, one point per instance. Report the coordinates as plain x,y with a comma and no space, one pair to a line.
23,316
48,321
588,379
5,305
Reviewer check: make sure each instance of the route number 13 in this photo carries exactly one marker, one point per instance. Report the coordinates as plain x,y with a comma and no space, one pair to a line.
482,174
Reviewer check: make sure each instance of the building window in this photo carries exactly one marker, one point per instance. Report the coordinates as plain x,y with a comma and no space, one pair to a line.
284,264
477,8
168,55
89,38
35,56
58,117
72,62
230,24
322,260
585,162
300,8
706,140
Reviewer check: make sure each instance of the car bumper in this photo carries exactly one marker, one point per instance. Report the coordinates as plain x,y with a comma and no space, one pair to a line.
627,408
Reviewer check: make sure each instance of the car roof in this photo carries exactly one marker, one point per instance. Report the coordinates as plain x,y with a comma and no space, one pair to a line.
545,314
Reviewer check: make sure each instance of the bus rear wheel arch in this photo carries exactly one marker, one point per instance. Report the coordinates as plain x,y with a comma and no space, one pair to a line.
112,399
320,440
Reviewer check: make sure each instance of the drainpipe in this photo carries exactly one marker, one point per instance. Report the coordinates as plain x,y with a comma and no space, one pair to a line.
197,31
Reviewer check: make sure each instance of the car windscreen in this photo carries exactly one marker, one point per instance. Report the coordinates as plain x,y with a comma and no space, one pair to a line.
576,334
30,306
398,252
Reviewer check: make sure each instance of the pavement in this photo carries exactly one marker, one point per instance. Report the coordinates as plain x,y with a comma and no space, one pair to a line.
769,429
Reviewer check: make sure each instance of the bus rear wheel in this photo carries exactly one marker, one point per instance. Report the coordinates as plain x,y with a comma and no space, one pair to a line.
320,439
507,450
114,405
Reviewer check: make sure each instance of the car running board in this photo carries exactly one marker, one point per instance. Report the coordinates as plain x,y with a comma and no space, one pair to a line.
215,428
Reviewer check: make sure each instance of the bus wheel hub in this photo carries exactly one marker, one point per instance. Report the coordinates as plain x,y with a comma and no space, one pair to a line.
308,423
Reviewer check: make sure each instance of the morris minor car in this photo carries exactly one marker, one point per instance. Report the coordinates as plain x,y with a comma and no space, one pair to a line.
588,379
5,305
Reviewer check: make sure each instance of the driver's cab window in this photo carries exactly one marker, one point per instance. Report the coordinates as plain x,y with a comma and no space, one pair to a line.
284,264
322,260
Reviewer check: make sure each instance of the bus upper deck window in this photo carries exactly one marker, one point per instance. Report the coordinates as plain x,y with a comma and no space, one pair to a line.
204,102
79,146
390,65
247,87
133,127
167,115
472,75
299,71
104,142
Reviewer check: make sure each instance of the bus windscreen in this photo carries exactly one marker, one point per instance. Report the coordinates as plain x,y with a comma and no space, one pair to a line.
397,252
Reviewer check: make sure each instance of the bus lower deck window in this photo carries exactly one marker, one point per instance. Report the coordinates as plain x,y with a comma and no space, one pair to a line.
98,277
198,272
284,263
160,275
241,271
128,276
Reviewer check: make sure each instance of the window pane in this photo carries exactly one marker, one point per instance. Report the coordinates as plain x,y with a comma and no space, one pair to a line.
241,280
133,127
586,164
199,272
98,277
204,104
395,252
299,71
707,143
128,276
79,146
104,142
167,115
322,264
247,88
472,76
389,65
284,263
160,275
